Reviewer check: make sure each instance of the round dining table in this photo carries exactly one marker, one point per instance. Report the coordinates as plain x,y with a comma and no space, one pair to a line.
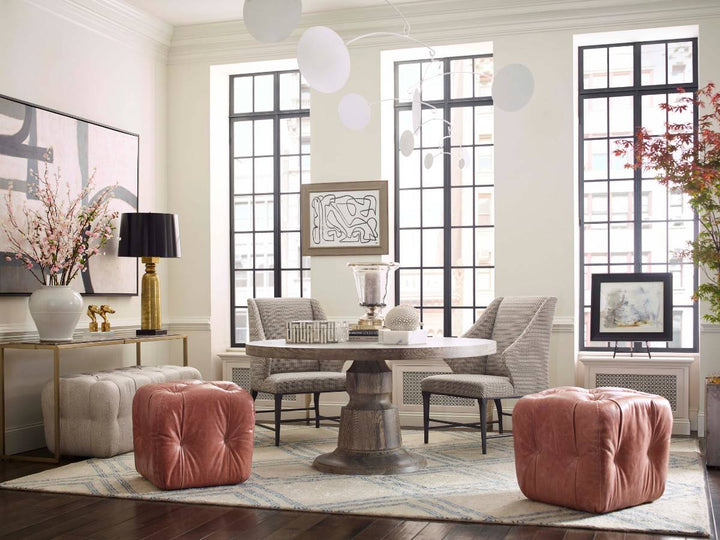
369,439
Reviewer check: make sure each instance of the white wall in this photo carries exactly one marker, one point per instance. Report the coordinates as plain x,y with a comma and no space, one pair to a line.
77,69
536,217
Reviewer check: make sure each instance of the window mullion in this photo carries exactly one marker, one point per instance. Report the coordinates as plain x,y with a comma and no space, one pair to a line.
447,204
277,251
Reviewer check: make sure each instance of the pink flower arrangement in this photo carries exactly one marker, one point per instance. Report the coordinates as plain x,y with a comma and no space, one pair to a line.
56,235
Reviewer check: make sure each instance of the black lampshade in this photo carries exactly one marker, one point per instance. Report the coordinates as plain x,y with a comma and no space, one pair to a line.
149,234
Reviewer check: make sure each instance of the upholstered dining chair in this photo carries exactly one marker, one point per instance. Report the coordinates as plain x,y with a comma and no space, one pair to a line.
279,377
521,326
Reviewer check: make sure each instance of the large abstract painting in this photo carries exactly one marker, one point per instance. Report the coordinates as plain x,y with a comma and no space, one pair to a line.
75,147
631,307
344,218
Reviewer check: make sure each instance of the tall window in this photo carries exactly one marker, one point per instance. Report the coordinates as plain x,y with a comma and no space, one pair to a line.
444,203
270,158
628,221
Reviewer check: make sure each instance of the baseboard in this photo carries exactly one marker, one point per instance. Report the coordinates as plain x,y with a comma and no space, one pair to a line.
25,438
681,426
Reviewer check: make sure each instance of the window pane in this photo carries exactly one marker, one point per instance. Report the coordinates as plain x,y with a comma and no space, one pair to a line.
243,287
462,287
680,62
264,284
621,66
304,94
408,78
433,128
409,170
289,135
264,93
290,251
409,282
652,58
432,208
264,175
461,78
622,201
290,212
595,117
242,94
305,135
654,201
654,243
461,202
620,166
483,76
432,87
289,174
484,247
410,208
290,90
595,243
484,286
433,176
242,139
462,247
433,322
484,125
462,320
484,165
242,176
263,137
264,212
244,251
595,68
264,250
484,206
432,282
621,116
653,117
410,248
680,234
291,284
432,242
622,243
241,326
595,201
462,126
595,160
243,213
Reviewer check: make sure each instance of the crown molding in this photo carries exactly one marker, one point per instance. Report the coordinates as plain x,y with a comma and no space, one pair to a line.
115,20
439,22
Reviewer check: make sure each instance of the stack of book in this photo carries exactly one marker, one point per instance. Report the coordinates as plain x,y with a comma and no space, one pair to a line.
363,334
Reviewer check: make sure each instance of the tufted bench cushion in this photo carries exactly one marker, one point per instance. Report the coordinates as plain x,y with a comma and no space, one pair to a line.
96,408
193,434
596,450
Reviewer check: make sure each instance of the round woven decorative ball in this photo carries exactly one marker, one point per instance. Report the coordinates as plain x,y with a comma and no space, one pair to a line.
402,317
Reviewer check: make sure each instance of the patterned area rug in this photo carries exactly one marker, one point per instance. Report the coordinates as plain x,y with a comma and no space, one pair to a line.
458,484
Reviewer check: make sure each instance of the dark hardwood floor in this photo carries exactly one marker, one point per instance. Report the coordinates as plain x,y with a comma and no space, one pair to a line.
35,516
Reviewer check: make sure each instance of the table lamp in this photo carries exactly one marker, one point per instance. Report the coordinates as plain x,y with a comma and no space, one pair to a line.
150,236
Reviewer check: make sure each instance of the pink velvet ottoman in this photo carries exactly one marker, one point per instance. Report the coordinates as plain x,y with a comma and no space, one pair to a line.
193,434
595,450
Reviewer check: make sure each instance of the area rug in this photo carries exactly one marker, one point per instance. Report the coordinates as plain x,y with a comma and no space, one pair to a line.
459,483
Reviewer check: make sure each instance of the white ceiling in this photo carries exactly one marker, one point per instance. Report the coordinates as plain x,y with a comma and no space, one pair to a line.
183,12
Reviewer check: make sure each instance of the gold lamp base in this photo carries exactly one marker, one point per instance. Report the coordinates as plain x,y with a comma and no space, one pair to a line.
150,300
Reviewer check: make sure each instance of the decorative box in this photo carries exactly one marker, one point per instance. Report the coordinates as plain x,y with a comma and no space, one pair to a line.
316,332
402,337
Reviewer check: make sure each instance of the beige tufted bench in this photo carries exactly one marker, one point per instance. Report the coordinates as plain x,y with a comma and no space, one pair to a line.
96,408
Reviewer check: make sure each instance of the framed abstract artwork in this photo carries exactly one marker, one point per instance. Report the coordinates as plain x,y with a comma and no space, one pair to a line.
344,218
30,136
631,307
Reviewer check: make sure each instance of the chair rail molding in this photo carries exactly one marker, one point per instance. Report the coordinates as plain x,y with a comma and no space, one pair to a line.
116,20
462,22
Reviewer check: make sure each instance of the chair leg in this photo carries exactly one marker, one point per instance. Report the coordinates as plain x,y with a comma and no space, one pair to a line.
278,409
254,394
498,408
316,399
483,423
426,414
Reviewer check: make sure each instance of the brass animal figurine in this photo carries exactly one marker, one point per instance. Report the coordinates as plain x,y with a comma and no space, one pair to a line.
104,310
93,311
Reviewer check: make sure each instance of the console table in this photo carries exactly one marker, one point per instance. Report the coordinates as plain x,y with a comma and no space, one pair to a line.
369,440
80,341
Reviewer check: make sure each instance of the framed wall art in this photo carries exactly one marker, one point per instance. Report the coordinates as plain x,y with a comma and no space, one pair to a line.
631,307
344,218
30,135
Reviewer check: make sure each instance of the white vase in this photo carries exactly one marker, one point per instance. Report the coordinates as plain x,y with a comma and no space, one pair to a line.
55,310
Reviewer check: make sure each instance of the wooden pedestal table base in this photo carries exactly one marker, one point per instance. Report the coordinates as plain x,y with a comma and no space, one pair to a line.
369,441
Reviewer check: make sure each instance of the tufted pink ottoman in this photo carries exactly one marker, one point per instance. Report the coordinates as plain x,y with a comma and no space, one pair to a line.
596,450
193,434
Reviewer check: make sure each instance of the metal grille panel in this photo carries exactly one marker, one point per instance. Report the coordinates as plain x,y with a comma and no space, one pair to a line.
241,377
412,393
663,385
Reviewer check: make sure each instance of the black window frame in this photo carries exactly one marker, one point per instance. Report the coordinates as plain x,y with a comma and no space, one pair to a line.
276,115
446,104
637,90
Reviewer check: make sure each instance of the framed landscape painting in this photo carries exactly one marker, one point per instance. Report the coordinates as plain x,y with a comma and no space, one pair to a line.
30,137
344,218
631,307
